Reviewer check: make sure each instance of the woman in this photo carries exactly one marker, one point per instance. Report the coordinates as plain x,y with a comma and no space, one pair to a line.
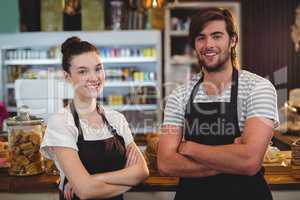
92,147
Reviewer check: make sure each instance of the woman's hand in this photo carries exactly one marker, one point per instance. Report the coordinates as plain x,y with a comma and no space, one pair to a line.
68,192
238,140
131,156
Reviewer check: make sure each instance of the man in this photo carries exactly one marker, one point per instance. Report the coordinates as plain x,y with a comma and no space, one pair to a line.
217,127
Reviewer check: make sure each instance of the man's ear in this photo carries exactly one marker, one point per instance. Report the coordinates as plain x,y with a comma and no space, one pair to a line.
233,41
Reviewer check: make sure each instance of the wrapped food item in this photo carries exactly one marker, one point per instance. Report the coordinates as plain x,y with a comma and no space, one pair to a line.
151,151
24,140
50,167
296,159
4,155
291,111
275,157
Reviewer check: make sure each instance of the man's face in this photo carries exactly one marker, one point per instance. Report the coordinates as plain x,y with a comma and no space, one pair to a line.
213,46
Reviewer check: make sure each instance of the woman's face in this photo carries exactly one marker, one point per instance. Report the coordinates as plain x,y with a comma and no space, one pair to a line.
86,74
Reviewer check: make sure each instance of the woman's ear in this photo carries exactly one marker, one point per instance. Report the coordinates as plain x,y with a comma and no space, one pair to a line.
67,76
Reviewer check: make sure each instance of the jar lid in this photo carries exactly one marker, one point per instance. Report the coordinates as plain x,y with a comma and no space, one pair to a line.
24,118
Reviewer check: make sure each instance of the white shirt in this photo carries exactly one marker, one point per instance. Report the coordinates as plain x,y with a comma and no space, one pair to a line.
62,132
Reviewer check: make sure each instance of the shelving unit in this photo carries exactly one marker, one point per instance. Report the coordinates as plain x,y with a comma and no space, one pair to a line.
141,53
180,60
133,60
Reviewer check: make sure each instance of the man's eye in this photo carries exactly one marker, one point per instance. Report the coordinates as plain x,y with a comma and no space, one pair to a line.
217,36
200,38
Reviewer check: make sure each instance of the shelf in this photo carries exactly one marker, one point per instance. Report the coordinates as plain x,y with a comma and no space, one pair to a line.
33,62
179,33
137,50
136,107
107,83
58,61
10,86
12,109
129,60
129,83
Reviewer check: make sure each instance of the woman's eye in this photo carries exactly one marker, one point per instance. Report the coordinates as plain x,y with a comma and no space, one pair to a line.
82,71
98,69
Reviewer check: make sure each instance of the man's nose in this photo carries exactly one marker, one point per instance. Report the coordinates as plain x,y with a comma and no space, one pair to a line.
209,42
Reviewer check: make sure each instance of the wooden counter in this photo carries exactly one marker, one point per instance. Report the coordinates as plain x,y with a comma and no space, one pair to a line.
49,183
277,180
284,141
25,184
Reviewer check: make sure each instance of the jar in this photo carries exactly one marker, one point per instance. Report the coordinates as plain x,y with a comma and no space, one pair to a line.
24,141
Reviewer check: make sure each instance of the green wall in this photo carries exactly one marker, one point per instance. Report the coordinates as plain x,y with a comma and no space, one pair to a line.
9,16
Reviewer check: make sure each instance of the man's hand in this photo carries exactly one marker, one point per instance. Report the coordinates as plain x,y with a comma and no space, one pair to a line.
184,145
68,192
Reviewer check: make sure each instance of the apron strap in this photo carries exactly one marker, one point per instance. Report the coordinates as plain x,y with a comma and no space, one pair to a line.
76,120
111,129
193,94
234,87
233,93
100,111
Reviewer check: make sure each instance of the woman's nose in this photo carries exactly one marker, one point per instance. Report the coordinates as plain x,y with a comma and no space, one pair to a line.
93,76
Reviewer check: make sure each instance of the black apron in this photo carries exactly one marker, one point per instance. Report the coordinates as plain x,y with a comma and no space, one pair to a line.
216,123
99,156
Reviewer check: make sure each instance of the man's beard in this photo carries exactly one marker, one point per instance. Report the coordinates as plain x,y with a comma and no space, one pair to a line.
219,66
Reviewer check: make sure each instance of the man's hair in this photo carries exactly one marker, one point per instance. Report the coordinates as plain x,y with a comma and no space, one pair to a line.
200,20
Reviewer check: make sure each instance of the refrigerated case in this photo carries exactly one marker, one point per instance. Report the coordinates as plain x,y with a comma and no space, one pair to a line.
132,62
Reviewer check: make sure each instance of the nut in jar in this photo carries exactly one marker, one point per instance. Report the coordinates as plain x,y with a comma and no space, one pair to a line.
25,136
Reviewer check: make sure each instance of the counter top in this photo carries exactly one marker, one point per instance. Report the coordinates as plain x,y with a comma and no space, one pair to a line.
284,141
278,178
49,183
36,183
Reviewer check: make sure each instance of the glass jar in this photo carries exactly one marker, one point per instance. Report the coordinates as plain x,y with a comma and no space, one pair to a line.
24,141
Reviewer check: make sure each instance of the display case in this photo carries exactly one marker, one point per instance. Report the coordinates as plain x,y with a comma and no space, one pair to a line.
179,58
132,62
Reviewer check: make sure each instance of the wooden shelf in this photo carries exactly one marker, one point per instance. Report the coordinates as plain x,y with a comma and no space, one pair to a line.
179,33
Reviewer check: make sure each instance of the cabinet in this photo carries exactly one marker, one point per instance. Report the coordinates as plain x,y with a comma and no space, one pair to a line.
179,59
132,62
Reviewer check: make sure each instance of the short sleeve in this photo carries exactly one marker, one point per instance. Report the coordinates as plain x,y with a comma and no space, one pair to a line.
125,131
175,108
262,102
60,132
119,122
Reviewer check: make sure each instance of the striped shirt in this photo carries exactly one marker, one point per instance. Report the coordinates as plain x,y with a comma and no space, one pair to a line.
256,98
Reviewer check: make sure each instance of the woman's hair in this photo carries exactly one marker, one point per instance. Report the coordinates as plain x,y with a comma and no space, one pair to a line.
74,46
200,19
